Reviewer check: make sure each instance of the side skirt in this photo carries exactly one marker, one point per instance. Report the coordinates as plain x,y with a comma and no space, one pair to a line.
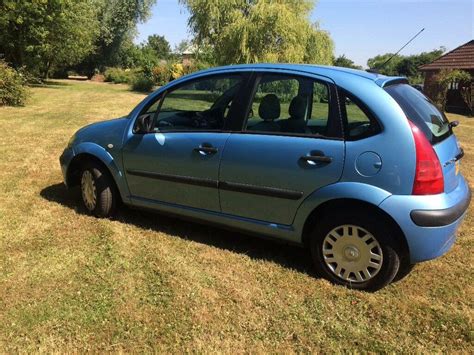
247,225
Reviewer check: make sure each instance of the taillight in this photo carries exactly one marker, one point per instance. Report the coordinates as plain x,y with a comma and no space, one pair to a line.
428,175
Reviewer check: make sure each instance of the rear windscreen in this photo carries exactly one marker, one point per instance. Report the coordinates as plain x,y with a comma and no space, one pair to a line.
421,111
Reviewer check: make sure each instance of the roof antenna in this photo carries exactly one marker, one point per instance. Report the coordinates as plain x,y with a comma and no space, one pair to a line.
376,70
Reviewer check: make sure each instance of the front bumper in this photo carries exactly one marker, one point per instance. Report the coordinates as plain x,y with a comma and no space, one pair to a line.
429,223
64,161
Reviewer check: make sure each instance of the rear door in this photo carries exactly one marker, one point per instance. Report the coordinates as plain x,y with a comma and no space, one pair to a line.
290,145
434,124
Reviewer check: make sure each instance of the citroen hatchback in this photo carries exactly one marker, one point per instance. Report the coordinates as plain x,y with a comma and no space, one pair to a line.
361,169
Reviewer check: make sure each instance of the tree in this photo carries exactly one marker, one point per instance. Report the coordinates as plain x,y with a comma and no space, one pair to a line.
42,35
379,63
118,20
404,65
409,65
159,45
182,46
343,61
243,31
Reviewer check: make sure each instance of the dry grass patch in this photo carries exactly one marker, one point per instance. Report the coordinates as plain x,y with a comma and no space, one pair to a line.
146,282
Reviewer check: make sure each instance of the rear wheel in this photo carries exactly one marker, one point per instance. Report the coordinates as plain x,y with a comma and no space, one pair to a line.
354,250
98,191
404,270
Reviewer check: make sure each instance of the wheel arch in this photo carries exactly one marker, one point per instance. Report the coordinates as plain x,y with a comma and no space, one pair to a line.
105,160
74,168
325,208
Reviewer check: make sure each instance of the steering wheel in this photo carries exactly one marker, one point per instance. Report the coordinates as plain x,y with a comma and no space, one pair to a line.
164,123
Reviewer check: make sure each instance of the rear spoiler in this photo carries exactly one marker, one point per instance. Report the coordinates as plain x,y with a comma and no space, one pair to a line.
391,80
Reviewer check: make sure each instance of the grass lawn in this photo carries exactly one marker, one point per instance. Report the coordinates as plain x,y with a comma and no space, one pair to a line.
146,282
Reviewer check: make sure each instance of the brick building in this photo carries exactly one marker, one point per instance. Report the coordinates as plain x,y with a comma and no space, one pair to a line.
460,58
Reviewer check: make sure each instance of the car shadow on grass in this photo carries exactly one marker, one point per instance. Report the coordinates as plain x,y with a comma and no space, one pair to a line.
289,256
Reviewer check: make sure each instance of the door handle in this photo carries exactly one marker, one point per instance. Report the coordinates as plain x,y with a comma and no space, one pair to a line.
317,159
206,149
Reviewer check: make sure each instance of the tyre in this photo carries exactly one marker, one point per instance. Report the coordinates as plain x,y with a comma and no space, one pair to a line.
404,270
98,191
355,249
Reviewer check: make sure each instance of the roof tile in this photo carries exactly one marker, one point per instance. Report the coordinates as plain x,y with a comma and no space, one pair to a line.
460,58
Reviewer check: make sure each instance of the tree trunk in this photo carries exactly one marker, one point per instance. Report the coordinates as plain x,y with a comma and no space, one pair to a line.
48,68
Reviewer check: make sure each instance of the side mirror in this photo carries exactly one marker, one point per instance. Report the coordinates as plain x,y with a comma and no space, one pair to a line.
453,124
144,124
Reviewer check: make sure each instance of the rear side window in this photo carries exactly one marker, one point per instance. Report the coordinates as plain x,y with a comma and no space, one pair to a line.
421,111
358,121
286,104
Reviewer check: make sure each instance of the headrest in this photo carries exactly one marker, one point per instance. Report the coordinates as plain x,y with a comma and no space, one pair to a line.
297,109
269,108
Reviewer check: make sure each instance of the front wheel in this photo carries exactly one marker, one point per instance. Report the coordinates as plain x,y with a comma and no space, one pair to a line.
356,251
98,191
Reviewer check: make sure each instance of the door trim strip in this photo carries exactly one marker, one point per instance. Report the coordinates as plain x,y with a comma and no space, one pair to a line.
223,185
190,180
261,190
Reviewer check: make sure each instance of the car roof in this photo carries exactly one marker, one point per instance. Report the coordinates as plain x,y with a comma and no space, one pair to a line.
332,72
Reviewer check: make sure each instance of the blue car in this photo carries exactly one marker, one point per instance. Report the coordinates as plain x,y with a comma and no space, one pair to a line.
361,169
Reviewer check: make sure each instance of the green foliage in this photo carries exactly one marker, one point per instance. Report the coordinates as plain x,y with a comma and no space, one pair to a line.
446,77
343,61
161,74
119,76
118,20
409,65
13,91
182,46
166,71
244,31
159,46
404,65
49,34
378,63
142,83
129,55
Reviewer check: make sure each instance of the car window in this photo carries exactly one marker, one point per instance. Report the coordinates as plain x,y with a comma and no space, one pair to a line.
359,125
421,111
289,105
320,109
200,105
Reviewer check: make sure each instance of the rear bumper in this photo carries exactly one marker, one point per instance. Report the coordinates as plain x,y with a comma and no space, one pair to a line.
439,218
429,223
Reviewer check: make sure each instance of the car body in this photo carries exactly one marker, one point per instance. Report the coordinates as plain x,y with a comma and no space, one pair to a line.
287,152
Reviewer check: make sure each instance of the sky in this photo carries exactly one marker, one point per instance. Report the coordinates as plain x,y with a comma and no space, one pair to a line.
360,29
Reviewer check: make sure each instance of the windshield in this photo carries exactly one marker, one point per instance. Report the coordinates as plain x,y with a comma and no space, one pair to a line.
421,111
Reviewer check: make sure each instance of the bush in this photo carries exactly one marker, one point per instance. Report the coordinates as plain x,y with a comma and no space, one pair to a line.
164,72
119,76
177,70
443,79
142,83
13,91
161,74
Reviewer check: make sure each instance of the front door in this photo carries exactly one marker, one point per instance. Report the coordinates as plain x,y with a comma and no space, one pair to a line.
178,162
290,146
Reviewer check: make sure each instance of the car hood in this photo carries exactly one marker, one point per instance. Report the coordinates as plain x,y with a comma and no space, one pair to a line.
103,132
